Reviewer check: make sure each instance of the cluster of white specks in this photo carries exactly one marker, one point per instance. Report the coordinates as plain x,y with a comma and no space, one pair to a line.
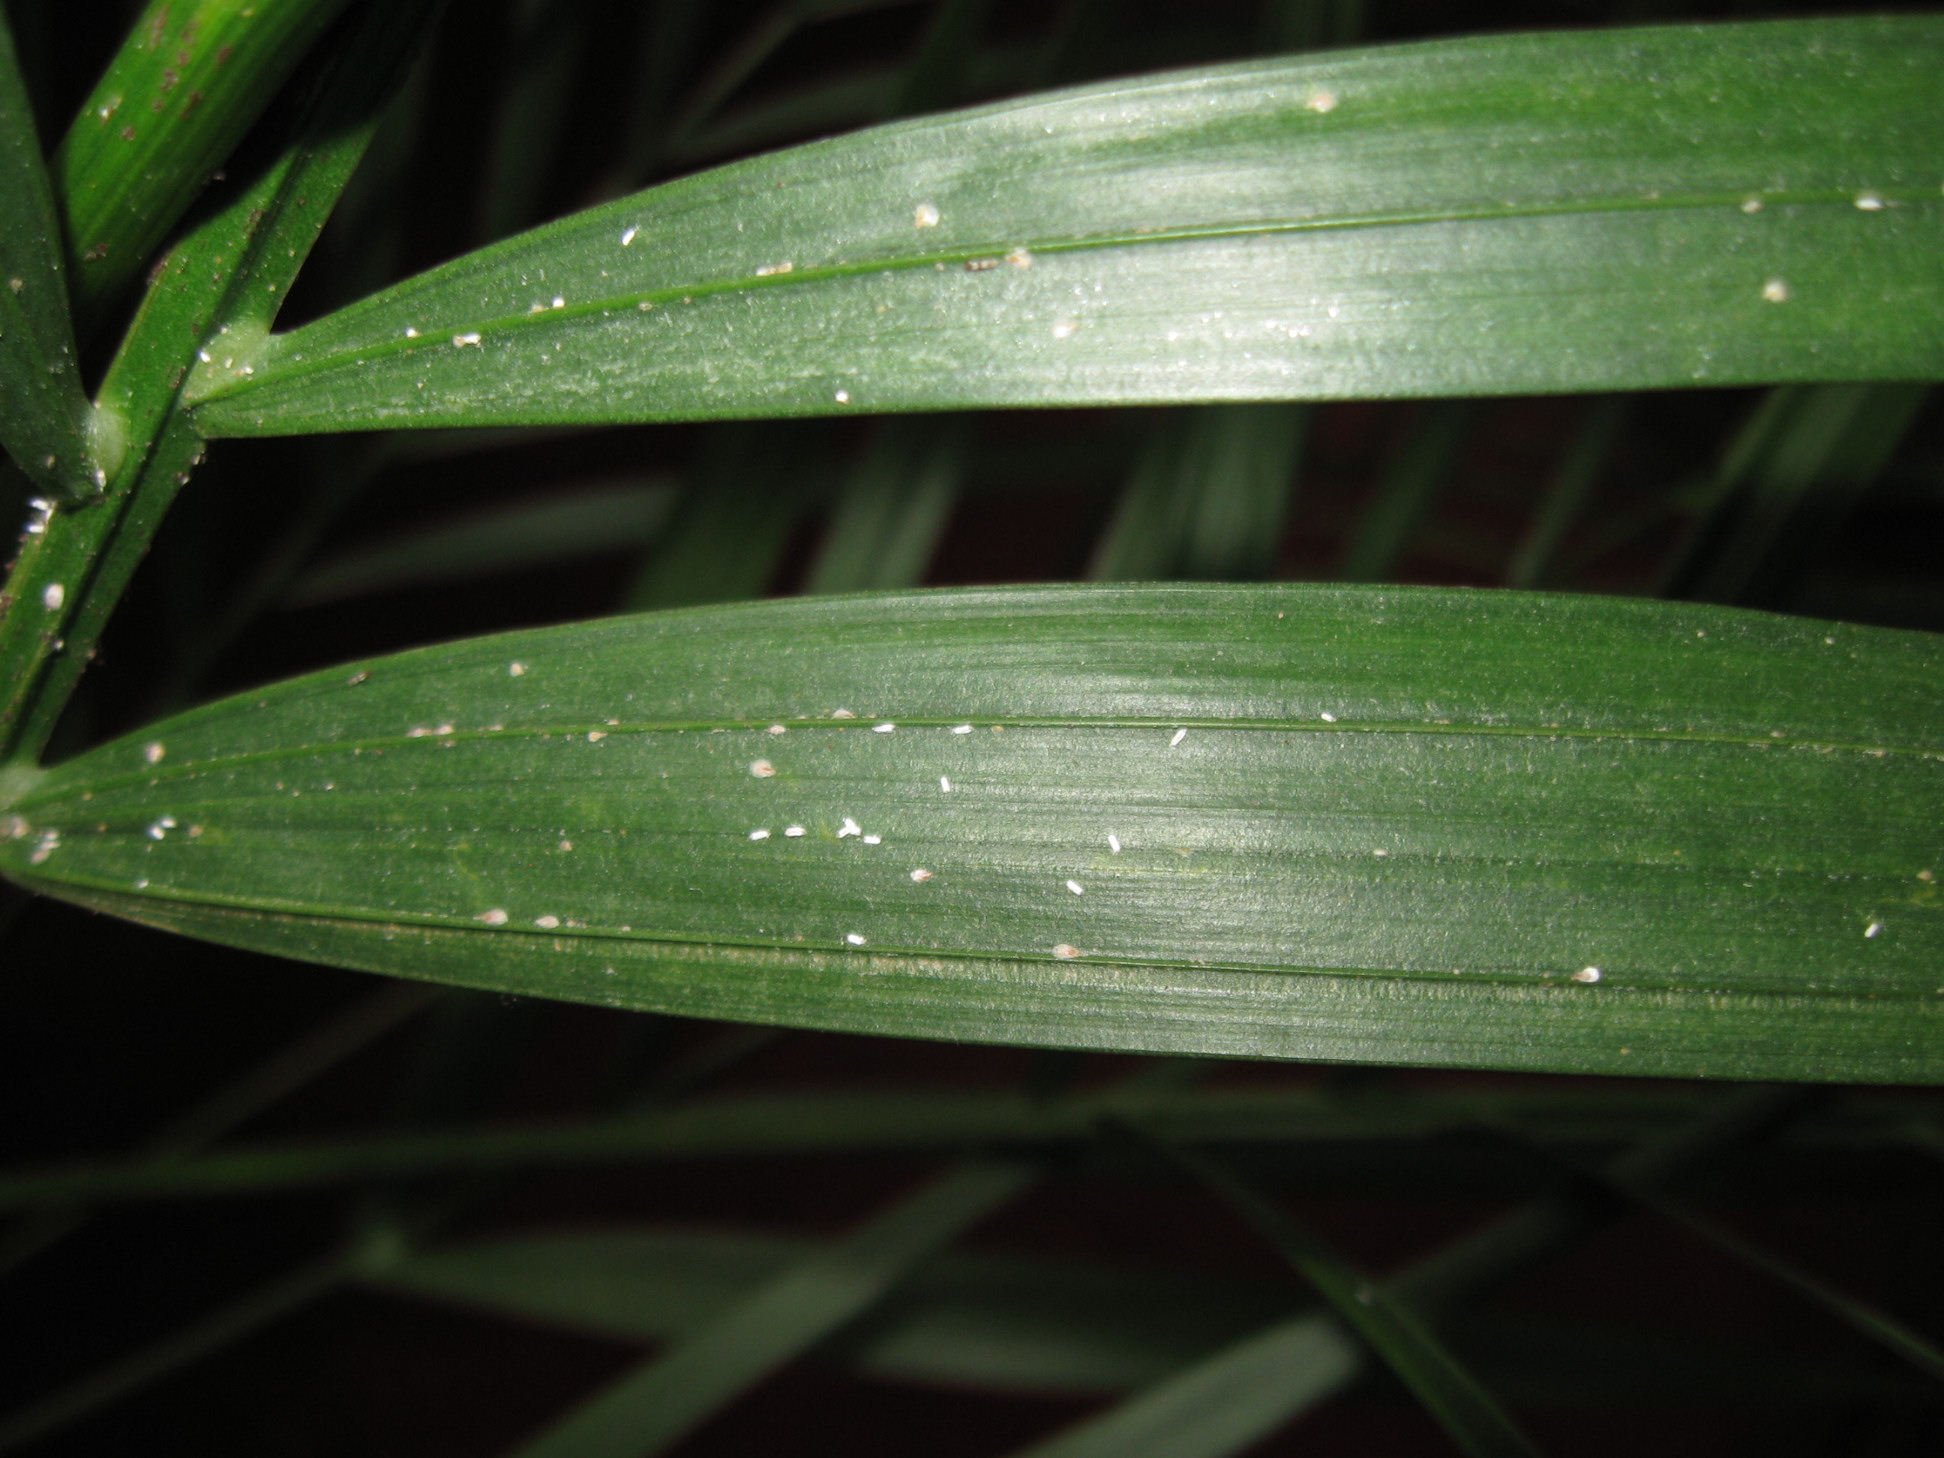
1322,102
43,513
515,670
460,341
945,784
1066,952
546,923
1776,291
419,731
1076,888
15,827
1065,328
495,917
1587,974
849,827
49,842
1179,735
759,834
1874,929
842,397
153,751
856,939
762,769
1113,842
921,875
925,216
629,234
52,596
961,728
793,831
1870,202
161,827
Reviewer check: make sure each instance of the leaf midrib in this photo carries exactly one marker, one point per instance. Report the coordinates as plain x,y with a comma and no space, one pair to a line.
153,775
231,380
1536,980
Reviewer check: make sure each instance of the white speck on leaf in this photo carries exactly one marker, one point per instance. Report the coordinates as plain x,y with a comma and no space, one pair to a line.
1329,718
460,341
1869,202
842,714
1179,735
762,769
153,751
515,670
843,397
1751,205
945,784
1065,328
793,831
161,827
1587,974
1874,929
595,736
52,596
961,728
1076,888
921,875
874,840
1065,952
769,269
854,939
779,729
849,827
49,842
628,235
1776,291
546,923
1322,102
883,728
926,216
1113,842
495,917
759,835
1020,258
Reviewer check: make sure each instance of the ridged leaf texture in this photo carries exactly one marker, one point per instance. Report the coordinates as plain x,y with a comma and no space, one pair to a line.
1511,214
1398,825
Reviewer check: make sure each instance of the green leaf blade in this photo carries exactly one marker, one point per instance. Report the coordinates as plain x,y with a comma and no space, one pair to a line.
1425,220
43,411
1386,824
176,98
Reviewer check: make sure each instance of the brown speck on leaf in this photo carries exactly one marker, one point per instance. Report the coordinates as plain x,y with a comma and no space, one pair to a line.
128,134
222,54
94,254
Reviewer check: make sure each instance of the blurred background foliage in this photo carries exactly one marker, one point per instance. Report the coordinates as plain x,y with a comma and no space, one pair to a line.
1723,1287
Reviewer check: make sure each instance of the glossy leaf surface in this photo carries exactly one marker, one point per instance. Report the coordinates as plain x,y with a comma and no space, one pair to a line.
1578,211
1403,825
